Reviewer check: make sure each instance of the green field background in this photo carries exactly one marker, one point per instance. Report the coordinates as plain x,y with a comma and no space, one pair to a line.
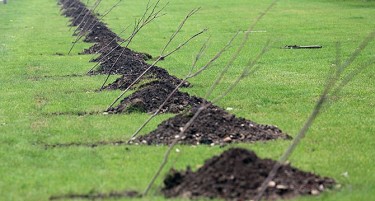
39,79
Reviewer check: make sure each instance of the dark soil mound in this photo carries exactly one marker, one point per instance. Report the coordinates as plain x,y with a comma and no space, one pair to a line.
99,32
155,73
236,175
110,51
131,65
213,126
152,95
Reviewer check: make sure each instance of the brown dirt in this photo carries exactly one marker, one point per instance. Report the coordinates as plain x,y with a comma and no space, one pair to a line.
236,175
150,96
213,126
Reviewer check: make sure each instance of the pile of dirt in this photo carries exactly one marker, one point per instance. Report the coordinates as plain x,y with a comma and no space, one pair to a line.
237,174
152,95
213,126
131,68
100,33
118,60
109,48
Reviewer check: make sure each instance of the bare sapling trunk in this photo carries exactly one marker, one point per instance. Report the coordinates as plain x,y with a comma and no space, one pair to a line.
334,84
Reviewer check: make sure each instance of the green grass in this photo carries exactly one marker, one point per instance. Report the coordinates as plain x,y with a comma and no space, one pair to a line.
282,93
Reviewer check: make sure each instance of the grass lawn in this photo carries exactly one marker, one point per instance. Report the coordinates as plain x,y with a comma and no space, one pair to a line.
36,82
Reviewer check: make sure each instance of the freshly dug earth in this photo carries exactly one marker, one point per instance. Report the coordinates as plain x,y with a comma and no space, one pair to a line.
213,126
237,174
152,95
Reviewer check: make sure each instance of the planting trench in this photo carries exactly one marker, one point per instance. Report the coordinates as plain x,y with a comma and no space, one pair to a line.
234,175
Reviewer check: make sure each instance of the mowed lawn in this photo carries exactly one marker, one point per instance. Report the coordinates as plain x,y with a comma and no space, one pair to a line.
39,80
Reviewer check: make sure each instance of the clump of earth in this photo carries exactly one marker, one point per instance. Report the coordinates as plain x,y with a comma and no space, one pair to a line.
237,174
